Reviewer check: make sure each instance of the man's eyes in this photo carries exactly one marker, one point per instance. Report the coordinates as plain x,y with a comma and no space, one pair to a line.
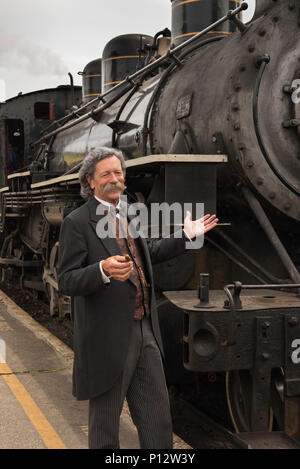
117,173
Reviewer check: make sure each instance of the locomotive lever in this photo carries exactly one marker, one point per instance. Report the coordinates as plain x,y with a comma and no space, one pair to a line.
234,301
203,292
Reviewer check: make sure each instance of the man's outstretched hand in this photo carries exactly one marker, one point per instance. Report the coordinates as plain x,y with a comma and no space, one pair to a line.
198,227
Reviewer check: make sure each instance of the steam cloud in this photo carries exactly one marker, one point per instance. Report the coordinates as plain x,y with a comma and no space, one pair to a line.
20,54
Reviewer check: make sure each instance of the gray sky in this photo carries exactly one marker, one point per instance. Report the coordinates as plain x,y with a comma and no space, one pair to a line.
42,40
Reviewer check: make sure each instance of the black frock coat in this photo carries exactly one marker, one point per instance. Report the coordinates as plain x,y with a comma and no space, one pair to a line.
103,315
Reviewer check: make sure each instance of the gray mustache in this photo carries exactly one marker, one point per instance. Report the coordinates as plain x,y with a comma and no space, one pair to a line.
118,185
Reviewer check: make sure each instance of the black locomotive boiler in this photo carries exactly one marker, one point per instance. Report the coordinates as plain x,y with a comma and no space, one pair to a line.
208,112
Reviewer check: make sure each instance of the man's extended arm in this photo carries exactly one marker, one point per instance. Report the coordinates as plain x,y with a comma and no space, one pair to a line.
164,249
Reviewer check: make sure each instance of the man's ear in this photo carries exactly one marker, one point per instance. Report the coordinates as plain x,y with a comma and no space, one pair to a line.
90,181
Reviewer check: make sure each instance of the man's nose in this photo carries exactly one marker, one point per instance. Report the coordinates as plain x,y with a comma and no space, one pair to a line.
114,178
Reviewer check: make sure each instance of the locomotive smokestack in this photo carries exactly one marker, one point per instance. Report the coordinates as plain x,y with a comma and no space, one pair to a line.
189,17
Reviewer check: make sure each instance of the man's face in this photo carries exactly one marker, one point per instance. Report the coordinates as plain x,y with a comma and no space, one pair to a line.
108,180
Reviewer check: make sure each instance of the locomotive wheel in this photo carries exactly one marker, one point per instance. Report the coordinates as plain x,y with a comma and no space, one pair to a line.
238,395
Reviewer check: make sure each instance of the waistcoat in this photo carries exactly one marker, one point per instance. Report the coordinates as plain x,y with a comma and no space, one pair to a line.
129,245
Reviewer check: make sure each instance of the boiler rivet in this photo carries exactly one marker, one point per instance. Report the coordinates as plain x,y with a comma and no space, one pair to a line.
293,321
265,356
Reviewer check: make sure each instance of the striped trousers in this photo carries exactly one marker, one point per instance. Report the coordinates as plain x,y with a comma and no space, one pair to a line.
143,384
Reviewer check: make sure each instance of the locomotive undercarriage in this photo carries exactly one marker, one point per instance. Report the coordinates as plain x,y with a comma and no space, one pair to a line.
255,339
30,221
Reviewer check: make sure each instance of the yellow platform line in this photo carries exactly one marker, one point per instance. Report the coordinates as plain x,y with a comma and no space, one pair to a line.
33,412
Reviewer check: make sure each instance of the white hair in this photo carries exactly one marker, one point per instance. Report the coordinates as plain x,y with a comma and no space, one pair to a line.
88,167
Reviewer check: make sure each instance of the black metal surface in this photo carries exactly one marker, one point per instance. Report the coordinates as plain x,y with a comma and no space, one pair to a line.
222,103
21,122
271,233
261,7
207,332
91,80
190,17
123,56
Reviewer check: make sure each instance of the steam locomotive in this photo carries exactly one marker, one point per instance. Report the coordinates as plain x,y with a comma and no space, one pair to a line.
207,112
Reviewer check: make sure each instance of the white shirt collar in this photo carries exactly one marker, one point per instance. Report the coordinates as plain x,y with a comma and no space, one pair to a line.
108,204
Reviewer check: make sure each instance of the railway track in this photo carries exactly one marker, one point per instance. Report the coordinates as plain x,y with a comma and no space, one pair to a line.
191,423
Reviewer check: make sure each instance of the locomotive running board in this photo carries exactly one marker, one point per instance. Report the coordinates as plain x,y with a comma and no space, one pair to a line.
148,161
70,179
175,158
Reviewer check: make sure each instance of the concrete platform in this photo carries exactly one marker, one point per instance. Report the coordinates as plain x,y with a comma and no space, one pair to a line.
37,408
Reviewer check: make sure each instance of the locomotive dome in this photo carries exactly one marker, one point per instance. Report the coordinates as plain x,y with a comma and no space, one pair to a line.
122,56
91,80
189,17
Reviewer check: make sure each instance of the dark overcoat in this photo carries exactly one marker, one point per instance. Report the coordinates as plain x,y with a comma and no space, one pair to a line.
103,315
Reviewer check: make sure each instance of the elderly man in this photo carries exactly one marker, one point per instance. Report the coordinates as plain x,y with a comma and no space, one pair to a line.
117,342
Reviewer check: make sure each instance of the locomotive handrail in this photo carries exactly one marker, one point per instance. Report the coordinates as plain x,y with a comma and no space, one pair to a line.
72,114
129,81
